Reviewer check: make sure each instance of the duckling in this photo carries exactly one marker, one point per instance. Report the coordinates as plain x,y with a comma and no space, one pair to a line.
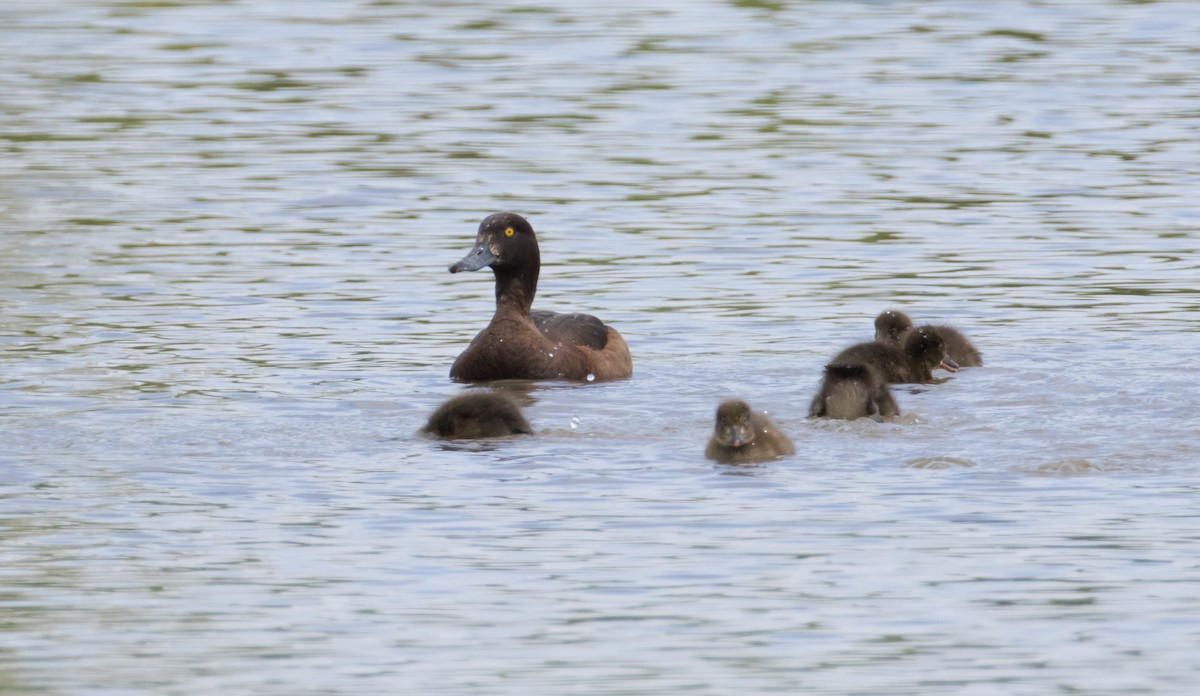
742,436
475,416
922,350
958,347
852,391
892,325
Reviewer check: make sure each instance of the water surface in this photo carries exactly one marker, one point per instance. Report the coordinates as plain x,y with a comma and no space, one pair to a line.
225,311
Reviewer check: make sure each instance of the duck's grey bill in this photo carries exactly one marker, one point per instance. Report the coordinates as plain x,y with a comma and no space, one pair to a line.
478,257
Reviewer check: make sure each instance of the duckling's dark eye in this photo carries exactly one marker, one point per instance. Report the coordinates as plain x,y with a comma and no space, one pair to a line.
508,231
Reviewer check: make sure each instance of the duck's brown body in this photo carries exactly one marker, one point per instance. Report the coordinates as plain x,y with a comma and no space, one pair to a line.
513,347
520,343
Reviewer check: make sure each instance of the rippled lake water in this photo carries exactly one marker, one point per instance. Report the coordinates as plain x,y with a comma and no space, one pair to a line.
225,311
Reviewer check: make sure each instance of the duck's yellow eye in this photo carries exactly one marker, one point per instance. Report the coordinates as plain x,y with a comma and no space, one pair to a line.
508,231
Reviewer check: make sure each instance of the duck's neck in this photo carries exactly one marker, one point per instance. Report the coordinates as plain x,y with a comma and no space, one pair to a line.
515,289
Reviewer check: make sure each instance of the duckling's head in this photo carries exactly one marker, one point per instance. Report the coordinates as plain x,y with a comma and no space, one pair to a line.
891,325
925,346
505,242
734,427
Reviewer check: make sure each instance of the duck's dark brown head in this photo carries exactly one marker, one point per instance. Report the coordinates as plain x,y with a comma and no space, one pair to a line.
505,242
734,427
925,346
891,325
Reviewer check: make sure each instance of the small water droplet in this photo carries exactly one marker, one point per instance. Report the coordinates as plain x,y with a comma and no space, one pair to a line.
591,378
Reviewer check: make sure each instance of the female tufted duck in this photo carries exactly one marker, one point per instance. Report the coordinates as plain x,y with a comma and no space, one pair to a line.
923,349
852,391
523,344
742,436
477,415
891,326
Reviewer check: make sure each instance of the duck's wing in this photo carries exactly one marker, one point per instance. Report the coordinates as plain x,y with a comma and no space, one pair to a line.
573,329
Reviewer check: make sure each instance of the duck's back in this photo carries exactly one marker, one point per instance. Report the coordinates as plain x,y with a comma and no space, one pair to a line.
573,329
478,415
886,361
599,352
846,399
514,347
852,391
511,347
771,441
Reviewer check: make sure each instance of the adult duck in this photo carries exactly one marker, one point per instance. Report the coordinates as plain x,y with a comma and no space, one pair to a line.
521,343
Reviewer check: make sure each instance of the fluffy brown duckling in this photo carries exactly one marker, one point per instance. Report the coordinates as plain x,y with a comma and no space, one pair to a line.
520,343
853,391
743,436
477,415
892,325
922,350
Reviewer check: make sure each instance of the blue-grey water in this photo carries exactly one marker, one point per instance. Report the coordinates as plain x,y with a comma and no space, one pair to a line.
225,311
